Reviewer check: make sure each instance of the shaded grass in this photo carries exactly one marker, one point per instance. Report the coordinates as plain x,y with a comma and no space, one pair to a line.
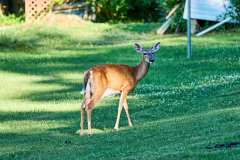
179,109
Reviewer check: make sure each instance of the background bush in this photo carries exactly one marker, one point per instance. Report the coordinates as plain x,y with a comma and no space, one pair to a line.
235,10
127,10
178,24
107,10
139,10
146,10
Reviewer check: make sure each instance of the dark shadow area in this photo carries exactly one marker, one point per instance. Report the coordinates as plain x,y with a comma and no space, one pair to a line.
38,116
227,145
72,92
139,27
44,65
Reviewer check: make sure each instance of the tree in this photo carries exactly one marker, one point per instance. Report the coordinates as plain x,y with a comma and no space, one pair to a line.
3,7
234,10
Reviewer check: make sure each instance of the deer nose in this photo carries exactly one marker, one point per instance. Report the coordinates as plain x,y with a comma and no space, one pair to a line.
151,60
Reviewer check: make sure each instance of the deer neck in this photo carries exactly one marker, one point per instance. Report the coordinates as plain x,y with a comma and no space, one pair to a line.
141,70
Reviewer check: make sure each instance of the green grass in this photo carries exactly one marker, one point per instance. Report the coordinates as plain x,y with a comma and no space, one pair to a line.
180,110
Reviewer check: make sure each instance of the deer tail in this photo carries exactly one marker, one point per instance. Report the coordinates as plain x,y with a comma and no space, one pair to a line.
86,97
86,88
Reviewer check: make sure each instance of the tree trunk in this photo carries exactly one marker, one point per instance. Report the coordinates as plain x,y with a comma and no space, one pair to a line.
16,7
3,7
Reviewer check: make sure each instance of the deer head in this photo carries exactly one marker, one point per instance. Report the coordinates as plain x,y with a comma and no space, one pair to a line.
148,54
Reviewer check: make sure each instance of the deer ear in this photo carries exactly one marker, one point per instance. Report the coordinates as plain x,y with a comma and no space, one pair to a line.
156,47
138,47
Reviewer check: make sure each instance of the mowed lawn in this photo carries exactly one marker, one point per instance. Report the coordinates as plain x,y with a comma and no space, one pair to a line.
183,109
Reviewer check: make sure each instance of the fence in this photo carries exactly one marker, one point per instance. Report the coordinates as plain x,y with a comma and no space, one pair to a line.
36,9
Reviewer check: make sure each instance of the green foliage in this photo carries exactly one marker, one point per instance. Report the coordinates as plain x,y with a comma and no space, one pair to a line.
11,19
182,109
147,10
124,10
107,10
58,2
178,24
234,11
171,3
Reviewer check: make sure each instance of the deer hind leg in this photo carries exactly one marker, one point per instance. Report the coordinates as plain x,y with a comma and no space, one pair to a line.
86,100
95,98
95,88
89,112
125,105
86,97
98,88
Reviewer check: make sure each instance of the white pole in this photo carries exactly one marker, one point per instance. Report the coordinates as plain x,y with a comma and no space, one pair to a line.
189,52
213,27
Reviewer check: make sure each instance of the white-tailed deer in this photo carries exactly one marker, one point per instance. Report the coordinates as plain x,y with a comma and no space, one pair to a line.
108,79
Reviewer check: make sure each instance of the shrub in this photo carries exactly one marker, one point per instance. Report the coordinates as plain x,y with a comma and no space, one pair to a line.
178,24
146,10
107,10
123,10
234,10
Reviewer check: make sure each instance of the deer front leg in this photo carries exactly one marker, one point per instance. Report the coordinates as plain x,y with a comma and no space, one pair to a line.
89,112
82,121
120,106
126,110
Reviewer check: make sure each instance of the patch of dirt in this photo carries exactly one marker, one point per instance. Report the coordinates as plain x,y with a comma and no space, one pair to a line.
64,20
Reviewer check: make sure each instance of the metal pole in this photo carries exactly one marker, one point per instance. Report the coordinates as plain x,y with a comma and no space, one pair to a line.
189,52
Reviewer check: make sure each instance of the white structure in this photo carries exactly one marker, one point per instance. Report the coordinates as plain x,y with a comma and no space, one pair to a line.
209,10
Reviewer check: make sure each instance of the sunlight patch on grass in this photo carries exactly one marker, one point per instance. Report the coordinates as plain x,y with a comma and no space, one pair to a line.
95,131
24,106
30,126
14,86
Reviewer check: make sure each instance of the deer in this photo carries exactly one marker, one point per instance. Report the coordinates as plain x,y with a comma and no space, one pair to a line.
108,79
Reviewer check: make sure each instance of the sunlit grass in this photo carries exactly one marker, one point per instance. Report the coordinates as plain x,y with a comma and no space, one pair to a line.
179,110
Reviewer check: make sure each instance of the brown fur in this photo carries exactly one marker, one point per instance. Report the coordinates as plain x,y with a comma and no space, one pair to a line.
121,78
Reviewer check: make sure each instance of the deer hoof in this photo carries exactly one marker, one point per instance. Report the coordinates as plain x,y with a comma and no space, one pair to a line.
81,134
116,128
90,133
